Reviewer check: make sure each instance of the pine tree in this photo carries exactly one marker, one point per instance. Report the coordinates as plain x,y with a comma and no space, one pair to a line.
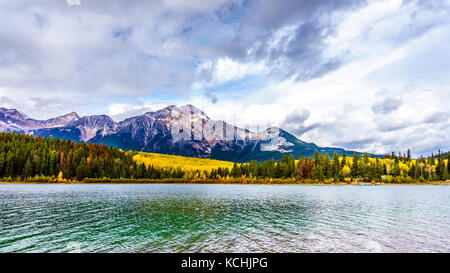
336,165
396,169
364,168
445,174
448,162
2,163
440,167
412,172
81,172
9,166
344,160
326,165
300,168
28,169
36,164
316,157
354,169
317,173
234,171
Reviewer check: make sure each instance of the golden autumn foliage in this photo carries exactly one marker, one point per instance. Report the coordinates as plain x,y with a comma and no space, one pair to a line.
185,163
404,166
346,170
60,177
36,159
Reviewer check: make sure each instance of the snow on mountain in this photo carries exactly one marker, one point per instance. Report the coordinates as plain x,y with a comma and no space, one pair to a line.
13,120
59,121
184,130
90,126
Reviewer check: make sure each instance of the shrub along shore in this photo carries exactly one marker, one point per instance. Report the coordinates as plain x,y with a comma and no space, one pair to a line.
232,181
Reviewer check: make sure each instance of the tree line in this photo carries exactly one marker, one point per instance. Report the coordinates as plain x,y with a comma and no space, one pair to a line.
37,158
323,168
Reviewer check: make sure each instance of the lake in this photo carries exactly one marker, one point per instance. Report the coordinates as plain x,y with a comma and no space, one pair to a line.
223,218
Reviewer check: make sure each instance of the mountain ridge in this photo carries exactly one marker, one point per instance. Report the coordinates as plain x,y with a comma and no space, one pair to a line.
184,130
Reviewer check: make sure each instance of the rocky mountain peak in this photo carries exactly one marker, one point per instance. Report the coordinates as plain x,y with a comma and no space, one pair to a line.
12,113
195,134
60,121
164,113
95,120
72,115
195,113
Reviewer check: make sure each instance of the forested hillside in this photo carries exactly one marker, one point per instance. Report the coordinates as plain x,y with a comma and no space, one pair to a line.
23,155
28,158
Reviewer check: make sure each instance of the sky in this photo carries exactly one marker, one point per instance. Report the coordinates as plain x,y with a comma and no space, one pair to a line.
363,75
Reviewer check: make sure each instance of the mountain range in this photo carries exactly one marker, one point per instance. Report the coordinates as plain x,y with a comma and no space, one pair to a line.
184,130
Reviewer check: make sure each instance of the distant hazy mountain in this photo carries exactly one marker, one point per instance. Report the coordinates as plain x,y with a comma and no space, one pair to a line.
184,130
11,119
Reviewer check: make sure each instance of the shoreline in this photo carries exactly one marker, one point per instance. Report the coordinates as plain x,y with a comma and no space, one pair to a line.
433,183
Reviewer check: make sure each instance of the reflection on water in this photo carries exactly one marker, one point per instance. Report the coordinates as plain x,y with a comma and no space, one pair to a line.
224,218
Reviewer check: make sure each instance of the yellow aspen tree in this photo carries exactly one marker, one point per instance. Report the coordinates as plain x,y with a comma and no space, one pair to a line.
60,177
346,170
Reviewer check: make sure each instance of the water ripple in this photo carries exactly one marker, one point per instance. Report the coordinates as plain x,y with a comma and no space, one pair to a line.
223,218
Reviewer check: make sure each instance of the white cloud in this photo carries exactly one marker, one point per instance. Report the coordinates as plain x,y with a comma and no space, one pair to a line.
363,20
121,111
125,59
119,108
341,102
224,70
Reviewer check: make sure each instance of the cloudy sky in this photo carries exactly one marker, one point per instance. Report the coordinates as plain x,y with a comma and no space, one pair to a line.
366,75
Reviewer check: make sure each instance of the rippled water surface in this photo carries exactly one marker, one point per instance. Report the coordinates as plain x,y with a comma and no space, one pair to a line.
224,218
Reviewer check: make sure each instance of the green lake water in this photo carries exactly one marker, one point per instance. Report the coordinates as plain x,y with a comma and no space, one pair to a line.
223,218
